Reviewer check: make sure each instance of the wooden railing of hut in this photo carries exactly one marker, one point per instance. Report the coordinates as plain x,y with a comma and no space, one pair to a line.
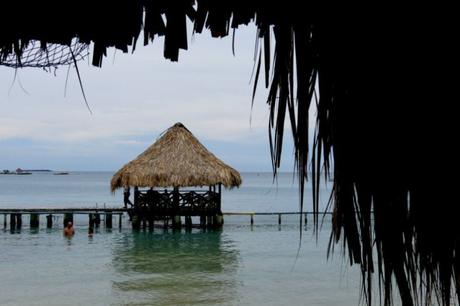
154,204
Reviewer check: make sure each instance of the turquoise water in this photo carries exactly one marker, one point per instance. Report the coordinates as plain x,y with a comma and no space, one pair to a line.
239,265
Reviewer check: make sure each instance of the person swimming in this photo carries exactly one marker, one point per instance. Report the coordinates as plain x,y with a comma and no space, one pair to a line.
68,230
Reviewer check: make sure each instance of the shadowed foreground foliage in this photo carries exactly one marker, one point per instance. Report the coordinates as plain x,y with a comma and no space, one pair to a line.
383,81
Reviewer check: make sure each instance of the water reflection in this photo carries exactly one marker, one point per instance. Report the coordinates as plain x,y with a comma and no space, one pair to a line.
175,268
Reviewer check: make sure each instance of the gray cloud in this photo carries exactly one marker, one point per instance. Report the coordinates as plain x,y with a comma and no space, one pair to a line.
133,100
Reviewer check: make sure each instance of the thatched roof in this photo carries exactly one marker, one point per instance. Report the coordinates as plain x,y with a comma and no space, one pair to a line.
382,77
176,159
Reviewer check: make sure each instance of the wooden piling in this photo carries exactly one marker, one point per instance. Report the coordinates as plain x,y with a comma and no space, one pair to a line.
136,197
279,219
49,221
119,220
306,219
203,220
218,221
151,223
177,222
219,199
136,222
68,217
4,220
252,219
18,221
91,220
12,222
97,220
209,221
188,221
108,219
34,220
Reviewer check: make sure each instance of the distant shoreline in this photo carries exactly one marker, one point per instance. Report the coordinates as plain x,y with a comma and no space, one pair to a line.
20,171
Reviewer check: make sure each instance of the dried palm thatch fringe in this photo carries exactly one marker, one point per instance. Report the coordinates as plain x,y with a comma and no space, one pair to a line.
176,159
382,78
35,55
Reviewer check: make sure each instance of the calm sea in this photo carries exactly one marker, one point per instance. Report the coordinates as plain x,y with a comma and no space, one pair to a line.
263,264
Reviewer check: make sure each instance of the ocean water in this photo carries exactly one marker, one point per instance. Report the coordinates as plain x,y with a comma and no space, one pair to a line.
238,265
259,192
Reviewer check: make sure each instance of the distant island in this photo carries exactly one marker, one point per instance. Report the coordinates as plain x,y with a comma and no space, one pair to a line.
20,171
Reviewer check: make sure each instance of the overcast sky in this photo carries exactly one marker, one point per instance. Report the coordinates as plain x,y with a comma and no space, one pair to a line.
134,97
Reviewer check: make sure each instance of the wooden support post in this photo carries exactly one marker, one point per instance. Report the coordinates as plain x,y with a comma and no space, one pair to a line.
151,223
144,222
203,220
18,221
49,221
218,221
136,222
108,219
306,220
209,221
177,222
279,219
68,217
136,197
4,220
119,220
252,219
34,220
12,222
91,220
219,199
188,221
97,220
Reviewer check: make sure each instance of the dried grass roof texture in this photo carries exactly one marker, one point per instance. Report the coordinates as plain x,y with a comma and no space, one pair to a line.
176,159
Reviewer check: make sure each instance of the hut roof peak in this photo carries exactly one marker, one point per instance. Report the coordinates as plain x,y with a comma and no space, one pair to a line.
179,124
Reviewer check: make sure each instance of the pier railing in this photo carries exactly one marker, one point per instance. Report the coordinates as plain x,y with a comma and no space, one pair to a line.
184,203
94,214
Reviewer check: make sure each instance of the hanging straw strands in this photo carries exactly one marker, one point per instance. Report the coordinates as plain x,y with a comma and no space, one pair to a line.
33,54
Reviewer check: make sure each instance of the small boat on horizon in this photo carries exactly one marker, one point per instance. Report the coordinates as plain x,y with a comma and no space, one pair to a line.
61,173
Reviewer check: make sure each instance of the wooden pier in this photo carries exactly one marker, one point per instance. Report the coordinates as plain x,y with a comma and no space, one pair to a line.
94,216
14,215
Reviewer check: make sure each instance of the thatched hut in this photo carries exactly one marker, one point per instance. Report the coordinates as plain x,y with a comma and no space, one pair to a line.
383,78
176,160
